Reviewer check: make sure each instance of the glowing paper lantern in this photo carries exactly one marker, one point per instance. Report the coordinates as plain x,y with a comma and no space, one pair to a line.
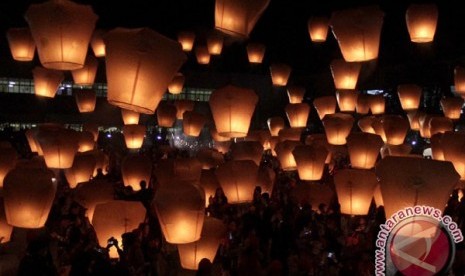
209,158
407,182
421,22
345,74
291,134
62,31
218,138
459,80
31,139
363,149
183,106
247,150
85,141
262,136
82,169
232,108
297,114
180,210
284,152
255,52
395,150
97,43
452,107
8,158
314,194
355,189
337,127
440,125
46,82
59,147
187,40
318,28
325,105
85,100
190,254
166,115
134,169
85,76
319,140
238,180
414,119
28,196
347,100
310,161
134,136
424,119
280,74
22,45
5,228
182,169
363,104
202,54
377,104
295,94
391,128
114,218
238,18
275,124
453,147
130,117
214,44
92,128
140,64
209,183
177,84
365,124
192,123
409,96
89,194
358,32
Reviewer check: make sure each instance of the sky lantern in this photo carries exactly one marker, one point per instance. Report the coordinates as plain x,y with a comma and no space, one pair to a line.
280,74
134,169
140,64
318,28
347,100
284,152
5,228
114,218
62,30
46,82
452,107
209,183
190,254
395,150
358,32
408,181
85,141
337,127
182,169
177,84
275,124
202,54
166,115
363,104
218,138
97,43
183,106
192,123
8,158
310,161
85,100
261,135
365,124
345,74
238,179
28,196
459,80
180,208
209,158
59,147
313,193
247,150
421,22
22,45
92,128
355,189
453,147
392,128
297,114
409,96
214,44
440,125
82,169
296,94
425,130
363,149
85,76
238,17
414,119
377,104
319,139
130,117
232,108
31,139
134,136
325,105
90,193
256,52
187,40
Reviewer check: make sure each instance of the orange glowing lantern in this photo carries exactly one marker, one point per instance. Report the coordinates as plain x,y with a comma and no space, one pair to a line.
183,106
177,84
275,124
409,96
8,158
363,104
89,194
365,124
85,100
337,127
5,228
209,158
97,43
313,194
92,128
166,115
280,74
262,136
192,123
284,152
28,196
425,130
318,28
295,94
414,119
85,76
391,128
62,30
214,44
358,32
421,22
22,45
440,125
82,169
452,107
190,254
59,147
140,64
247,150
319,139
85,141
347,100
297,114
363,149
408,181
255,52
232,108
310,161
355,189
209,183
180,208
453,147
134,136
31,139
459,80
130,117
202,54
187,40
46,82
238,180
135,169
377,104
218,138
345,74
325,105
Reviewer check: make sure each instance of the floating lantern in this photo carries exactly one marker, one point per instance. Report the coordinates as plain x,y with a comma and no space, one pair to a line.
89,194
453,147
46,82
409,96
275,124
414,119
284,152
459,81
295,94
183,106
97,43
209,183
440,125
85,141
214,44
310,161
347,100
297,114
318,28
421,22
8,158
85,100
218,138
319,139
377,104
202,54
262,136
337,127
82,169
177,84
345,74
85,76
238,180
247,150
135,169
5,228
365,124
325,105
130,117
187,40
192,123
424,119
280,74
363,149
31,139
452,107
166,115
255,52
134,136
22,45
392,128
363,104
59,147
